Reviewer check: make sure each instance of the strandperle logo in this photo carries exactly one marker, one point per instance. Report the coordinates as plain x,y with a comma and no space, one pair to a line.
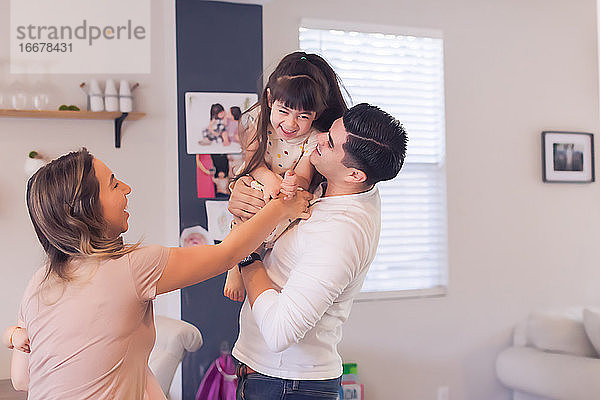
80,36
85,31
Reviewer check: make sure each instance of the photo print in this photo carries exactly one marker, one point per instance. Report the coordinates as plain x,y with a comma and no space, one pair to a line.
211,121
195,236
219,219
214,172
568,157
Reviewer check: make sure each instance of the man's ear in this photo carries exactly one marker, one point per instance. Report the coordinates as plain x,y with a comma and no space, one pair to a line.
355,176
269,101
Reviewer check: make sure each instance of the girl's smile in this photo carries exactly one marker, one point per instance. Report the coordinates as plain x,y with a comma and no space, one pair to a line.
290,123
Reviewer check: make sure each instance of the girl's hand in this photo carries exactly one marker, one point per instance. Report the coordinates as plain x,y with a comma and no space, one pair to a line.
289,185
297,206
20,339
271,185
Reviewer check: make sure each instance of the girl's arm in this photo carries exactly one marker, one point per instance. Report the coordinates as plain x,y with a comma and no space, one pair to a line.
304,172
189,265
270,180
298,177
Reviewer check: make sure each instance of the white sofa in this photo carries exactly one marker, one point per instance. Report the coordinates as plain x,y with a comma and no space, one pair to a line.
553,356
173,338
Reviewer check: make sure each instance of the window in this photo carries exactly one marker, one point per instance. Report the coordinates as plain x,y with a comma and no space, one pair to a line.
404,75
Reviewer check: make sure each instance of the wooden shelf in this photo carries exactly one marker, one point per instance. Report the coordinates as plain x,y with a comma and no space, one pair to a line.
133,116
117,116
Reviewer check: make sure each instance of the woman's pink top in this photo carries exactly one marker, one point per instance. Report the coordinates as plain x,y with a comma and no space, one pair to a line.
91,338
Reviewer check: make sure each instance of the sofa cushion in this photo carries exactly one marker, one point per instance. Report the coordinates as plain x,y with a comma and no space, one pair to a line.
559,332
591,323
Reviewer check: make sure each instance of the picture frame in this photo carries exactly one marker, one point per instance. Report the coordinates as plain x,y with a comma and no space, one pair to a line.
211,123
568,157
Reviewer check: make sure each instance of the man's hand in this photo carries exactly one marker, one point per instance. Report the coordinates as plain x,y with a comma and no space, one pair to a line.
245,201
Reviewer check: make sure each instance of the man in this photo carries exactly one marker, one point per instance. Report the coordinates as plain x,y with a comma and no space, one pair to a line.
299,297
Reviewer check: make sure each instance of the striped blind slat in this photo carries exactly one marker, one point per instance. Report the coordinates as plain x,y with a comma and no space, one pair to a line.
403,75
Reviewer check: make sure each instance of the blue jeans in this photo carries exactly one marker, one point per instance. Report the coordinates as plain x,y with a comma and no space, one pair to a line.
257,386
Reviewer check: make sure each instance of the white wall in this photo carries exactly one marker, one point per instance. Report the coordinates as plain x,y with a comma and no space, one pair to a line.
512,69
147,160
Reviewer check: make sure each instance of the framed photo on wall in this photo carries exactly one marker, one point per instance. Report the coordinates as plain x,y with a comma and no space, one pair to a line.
568,157
211,121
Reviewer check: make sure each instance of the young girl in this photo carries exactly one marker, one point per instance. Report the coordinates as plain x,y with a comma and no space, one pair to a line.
216,127
302,97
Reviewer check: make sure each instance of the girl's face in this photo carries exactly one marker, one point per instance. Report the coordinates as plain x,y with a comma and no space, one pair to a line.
221,115
290,123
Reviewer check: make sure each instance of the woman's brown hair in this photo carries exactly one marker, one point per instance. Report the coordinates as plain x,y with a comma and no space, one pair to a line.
64,207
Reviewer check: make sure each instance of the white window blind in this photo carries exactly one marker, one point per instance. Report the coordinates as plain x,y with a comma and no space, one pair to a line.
402,74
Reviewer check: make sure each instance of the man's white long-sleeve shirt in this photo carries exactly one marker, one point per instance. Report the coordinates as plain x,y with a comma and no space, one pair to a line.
319,266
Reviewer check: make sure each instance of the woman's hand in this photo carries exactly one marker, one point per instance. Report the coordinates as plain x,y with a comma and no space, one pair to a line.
245,201
17,338
297,206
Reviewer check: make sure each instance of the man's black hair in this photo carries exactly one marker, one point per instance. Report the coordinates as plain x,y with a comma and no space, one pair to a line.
376,142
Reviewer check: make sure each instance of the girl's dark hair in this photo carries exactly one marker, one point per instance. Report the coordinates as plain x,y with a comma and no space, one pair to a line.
302,81
215,110
236,112
63,200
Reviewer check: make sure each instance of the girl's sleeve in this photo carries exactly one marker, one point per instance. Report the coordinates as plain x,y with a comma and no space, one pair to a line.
311,144
146,266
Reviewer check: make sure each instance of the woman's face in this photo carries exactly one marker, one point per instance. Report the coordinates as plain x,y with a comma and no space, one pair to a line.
113,199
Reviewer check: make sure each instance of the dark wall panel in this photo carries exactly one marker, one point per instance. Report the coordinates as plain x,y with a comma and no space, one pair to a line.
219,49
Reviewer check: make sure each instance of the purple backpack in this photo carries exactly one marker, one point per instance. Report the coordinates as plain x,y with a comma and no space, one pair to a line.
219,382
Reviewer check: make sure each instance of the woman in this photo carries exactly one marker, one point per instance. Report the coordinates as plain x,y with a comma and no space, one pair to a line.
88,313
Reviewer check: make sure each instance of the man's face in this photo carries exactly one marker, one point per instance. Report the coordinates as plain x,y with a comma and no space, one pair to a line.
327,157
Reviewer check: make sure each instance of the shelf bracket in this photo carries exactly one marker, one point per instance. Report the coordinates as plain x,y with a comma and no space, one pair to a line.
118,125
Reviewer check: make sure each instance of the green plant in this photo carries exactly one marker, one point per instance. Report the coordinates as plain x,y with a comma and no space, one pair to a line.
65,107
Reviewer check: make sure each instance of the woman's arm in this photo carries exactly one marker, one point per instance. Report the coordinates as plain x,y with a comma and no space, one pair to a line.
19,365
189,265
6,336
16,337
19,370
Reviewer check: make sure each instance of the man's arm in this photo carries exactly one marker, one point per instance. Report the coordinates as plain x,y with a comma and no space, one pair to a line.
256,281
245,201
328,264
